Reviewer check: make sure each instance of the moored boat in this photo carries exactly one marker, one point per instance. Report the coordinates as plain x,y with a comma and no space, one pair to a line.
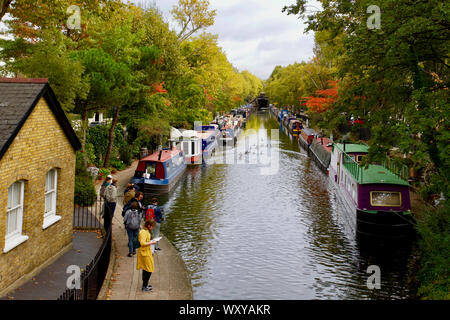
377,199
160,171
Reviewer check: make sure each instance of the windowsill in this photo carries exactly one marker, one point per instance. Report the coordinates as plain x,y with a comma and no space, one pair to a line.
14,242
50,221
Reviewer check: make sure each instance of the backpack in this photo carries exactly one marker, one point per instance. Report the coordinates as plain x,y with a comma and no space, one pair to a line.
150,214
102,190
134,220
126,208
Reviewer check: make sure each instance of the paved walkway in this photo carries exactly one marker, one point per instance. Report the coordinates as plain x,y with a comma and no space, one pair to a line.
50,283
170,280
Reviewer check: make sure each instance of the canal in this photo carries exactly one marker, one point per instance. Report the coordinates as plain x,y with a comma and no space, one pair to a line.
244,235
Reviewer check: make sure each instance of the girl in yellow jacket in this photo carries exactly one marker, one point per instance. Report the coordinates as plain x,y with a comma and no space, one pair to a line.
145,256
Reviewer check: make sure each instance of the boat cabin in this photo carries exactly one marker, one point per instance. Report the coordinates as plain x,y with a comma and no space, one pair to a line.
160,165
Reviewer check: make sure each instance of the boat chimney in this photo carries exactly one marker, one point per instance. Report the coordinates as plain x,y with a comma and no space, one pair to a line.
160,154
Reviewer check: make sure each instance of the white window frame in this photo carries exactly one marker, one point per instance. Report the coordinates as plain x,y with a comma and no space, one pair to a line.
50,216
15,238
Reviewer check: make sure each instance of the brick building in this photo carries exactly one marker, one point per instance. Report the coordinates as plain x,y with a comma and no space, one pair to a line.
37,175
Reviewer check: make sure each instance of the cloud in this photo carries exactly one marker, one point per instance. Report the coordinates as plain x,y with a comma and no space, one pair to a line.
255,34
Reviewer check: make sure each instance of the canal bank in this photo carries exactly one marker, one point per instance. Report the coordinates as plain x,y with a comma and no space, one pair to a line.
170,281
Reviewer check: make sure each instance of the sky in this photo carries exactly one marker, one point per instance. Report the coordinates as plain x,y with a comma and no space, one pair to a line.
255,34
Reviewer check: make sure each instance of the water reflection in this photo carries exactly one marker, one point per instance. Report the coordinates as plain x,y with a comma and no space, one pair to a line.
244,235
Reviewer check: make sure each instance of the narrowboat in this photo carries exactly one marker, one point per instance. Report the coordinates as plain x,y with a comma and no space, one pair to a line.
295,127
281,115
306,138
160,171
209,135
227,138
376,197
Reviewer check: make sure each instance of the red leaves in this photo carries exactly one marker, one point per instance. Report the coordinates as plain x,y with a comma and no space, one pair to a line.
324,100
158,88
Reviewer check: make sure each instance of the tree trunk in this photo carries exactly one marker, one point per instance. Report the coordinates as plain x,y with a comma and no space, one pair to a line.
111,138
84,125
4,5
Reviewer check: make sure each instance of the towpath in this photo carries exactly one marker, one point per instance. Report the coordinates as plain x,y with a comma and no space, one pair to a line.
170,280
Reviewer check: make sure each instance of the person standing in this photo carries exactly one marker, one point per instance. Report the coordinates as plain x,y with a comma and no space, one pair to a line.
111,201
105,184
138,197
132,221
129,193
158,217
145,256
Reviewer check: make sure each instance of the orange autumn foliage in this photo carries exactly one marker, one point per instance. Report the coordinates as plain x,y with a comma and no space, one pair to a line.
324,99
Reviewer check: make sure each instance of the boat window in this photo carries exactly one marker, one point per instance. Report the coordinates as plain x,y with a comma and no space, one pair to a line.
186,147
385,199
193,148
168,168
151,168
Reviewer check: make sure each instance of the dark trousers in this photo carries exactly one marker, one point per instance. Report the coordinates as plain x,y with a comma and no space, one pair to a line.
145,278
110,207
132,234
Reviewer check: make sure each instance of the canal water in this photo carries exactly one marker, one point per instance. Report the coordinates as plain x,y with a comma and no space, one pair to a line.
244,235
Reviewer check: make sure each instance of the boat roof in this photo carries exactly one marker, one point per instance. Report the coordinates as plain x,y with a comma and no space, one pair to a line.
166,155
309,131
376,174
352,147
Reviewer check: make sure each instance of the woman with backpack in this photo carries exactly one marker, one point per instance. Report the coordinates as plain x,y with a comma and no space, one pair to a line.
132,221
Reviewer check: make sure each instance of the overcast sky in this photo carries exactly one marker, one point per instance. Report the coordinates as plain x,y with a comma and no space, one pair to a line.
255,34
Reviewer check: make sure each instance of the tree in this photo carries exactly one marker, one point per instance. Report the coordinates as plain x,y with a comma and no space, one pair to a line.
192,16
4,6
401,70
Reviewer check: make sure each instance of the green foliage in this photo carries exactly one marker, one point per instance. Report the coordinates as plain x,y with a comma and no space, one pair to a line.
434,230
97,137
118,164
126,154
85,193
102,172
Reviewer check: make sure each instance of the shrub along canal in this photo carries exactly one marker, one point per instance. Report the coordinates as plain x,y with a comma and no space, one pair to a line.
244,235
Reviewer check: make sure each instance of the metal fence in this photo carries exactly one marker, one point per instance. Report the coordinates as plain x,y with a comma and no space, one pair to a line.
91,280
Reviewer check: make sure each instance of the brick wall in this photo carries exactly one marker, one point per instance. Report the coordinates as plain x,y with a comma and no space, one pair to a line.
40,146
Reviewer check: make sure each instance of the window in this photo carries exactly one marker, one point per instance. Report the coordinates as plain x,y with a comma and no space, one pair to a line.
51,185
168,168
193,148
14,216
186,148
385,199
359,158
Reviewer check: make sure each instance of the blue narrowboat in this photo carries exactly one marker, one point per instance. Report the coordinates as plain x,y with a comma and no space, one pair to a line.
160,171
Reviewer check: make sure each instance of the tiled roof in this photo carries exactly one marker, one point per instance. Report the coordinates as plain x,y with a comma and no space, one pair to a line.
18,97
15,101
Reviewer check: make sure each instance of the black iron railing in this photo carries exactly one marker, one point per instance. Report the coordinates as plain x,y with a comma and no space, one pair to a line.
91,280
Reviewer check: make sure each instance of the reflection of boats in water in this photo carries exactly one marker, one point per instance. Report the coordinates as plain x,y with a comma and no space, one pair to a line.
160,171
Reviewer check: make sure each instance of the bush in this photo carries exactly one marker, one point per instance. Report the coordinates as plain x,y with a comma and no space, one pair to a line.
85,194
118,164
433,225
126,154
